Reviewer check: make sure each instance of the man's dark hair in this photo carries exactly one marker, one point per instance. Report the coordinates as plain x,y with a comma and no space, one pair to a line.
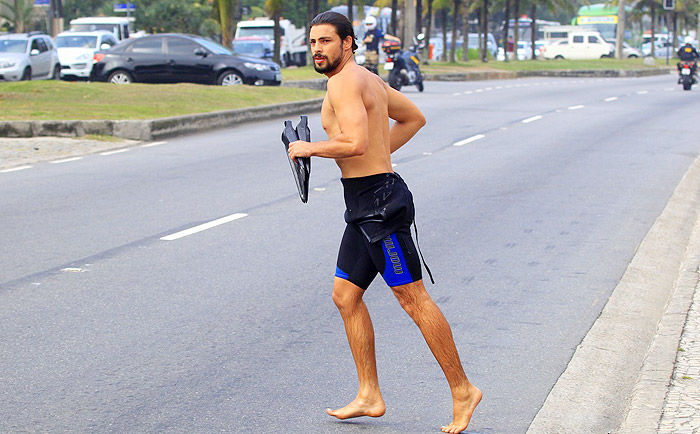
343,26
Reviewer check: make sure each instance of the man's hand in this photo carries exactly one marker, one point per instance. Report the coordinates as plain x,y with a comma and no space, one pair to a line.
299,149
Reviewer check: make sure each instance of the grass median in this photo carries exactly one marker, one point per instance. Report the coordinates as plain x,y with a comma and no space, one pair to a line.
434,67
60,100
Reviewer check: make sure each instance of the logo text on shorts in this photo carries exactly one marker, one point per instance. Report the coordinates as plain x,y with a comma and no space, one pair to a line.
393,256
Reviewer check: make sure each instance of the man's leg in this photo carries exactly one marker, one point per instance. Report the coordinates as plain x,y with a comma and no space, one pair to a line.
437,333
358,327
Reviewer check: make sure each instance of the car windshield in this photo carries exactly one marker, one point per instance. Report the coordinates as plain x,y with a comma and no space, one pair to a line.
265,32
75,41
13,45
255,49
213,46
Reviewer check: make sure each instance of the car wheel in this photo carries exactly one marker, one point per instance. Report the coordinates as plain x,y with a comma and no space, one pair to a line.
120,77
230,78
27,74
56,72
632,56
559,57
606,56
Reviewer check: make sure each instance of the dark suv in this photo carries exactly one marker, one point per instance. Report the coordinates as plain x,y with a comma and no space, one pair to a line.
175,58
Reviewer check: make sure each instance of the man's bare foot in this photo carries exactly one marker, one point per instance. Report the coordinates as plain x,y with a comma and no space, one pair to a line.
463,410
360,407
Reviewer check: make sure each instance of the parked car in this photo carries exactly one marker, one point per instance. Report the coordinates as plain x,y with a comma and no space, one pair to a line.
253,46
175,57
524,50
661,49
436,42
28,56
628,51
76,50
579,45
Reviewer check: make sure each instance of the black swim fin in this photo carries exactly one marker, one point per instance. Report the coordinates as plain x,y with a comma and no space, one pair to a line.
301,169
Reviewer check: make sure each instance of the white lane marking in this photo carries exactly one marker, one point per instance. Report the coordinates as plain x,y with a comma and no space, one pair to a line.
499,87
469,92
148,145
489,88
469,140
204,227
479,90
575,107
118,151
319,189
66,160
394,164
427,153
612,98
458,93
642,92
15,169
532,119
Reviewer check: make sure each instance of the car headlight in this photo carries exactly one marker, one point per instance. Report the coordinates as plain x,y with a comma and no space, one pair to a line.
257,66
7,63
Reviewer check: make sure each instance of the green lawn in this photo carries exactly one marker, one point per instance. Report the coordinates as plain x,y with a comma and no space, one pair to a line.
308,73
60,100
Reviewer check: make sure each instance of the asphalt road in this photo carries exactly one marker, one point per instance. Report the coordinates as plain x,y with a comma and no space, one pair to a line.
531,195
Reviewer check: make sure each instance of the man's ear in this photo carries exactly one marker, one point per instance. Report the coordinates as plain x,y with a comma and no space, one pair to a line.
347,43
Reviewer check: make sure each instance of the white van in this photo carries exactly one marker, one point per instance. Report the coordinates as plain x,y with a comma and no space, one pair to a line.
118,26
578,45
293,40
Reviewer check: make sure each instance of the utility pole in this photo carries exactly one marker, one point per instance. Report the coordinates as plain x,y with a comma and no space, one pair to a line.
619,36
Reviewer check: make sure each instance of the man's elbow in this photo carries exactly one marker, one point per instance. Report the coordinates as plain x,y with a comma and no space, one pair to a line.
358,149
420,121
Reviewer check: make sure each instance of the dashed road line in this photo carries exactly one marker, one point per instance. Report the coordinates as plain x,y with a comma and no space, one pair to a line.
576,107
642,92
469,140
532,119
66,160
612,98
15,169
203,227
117,151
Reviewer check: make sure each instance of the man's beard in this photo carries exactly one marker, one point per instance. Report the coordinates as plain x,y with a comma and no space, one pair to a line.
330,65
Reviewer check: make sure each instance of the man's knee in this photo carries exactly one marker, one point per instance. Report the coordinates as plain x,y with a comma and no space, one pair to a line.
411,296
346,294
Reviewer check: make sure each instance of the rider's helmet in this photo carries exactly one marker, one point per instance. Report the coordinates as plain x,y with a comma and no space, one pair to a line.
370,23
688,40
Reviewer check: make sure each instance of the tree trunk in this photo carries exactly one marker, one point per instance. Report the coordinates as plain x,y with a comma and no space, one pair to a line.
394,19
429,26
533,27
620,34
225,16
455,22
506,30
350,17
516,26
419,16
485,31
443,16
278,37
653,27
409,27
465,32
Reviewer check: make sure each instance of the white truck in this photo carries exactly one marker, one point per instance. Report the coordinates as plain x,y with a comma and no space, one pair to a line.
118,26
578,45
292,41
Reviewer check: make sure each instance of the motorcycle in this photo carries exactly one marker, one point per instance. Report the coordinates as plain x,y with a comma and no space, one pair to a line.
403,66
686,70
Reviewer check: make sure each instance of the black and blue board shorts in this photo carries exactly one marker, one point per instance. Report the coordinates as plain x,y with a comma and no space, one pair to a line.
377,239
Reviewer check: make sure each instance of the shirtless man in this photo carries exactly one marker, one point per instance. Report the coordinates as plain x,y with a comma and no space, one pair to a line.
355,115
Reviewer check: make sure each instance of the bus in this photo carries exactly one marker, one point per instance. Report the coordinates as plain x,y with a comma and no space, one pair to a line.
600,16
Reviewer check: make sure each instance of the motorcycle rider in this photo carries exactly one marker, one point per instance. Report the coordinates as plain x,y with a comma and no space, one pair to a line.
688,53
373,37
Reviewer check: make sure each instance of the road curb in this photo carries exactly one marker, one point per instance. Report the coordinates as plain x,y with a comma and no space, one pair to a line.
623,366
155,128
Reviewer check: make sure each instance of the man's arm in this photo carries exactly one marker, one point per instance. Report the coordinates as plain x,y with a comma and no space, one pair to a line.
345,98
407,116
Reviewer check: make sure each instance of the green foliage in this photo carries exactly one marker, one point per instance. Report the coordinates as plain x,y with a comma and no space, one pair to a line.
180,16
87,8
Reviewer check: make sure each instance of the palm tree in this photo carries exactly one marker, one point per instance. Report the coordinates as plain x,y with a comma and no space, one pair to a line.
274,9
20,13
455,20
228,20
